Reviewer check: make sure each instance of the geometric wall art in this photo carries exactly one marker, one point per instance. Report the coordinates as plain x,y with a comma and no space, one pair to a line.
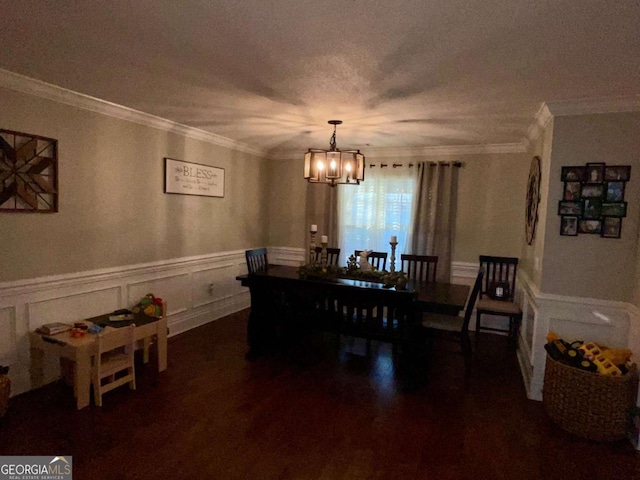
28,173
593,199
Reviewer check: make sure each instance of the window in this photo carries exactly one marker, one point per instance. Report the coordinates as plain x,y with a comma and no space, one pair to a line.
369,214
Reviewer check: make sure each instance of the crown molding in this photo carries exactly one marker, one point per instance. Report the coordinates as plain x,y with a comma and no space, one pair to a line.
447,150
584,106
587,106
403,152
547,110
31,86
539,123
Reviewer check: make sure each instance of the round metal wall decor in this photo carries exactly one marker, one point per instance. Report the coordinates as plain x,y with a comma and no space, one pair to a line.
533,198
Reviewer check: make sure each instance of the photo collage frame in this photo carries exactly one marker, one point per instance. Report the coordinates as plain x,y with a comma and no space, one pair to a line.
593,199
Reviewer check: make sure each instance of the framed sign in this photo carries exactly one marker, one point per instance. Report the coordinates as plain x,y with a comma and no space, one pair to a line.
193,178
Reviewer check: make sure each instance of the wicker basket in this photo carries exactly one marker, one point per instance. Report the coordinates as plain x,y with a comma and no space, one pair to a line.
590,405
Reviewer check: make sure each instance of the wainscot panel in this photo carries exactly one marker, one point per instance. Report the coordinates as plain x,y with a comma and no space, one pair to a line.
210,285
71,308
177,286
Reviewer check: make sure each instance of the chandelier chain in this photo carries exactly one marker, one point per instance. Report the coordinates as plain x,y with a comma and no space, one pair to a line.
332,142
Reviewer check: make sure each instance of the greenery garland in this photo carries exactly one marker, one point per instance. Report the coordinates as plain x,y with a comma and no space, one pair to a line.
331,272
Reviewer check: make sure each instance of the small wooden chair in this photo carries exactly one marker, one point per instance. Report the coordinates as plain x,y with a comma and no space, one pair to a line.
114,361
377,259
256,260
333,255
456,327
420,267
497,294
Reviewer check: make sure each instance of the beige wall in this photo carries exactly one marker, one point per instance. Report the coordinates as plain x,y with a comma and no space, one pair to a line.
287,193
588,265
491,202
491,206
113,210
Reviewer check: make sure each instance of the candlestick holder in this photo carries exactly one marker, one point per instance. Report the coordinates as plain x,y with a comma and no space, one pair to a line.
323,256
312,248
393,256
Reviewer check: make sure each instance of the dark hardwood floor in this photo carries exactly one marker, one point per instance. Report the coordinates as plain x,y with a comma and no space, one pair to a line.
317,411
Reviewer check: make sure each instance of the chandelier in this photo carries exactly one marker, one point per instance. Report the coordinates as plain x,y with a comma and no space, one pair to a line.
334,166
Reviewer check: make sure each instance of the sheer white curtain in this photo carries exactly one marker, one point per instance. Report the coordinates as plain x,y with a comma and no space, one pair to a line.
370,213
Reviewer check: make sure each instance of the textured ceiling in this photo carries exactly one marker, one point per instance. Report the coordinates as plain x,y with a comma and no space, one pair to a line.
270,73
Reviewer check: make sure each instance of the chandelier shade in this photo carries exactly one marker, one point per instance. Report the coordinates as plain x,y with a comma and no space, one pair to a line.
334,166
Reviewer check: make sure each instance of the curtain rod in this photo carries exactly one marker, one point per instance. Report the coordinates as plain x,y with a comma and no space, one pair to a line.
395,165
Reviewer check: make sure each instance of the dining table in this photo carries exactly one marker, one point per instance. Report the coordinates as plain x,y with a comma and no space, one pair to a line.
281,291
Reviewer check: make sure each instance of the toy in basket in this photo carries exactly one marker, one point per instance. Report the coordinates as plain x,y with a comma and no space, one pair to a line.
150,305
609,361
589,356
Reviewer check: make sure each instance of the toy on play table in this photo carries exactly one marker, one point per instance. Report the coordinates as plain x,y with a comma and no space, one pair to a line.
150,305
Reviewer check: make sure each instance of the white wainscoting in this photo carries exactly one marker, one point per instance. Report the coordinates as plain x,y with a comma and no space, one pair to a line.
614,324
197,290
287,256
201,289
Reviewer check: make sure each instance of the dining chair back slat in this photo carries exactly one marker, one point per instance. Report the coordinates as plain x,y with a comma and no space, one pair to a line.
499,270
333,255
256,260
420,267
498,294
377,259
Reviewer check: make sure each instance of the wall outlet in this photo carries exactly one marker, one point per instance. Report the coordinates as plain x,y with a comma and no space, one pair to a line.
211,288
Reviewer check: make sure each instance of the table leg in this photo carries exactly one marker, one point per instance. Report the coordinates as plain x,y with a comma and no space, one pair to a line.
36,369
146,343
162,344
261,326
82,379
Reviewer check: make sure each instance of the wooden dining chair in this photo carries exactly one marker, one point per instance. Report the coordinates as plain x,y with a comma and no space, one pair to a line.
377,259
333,255
455,328
387,315
256,260
114,361
420,267
497,294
